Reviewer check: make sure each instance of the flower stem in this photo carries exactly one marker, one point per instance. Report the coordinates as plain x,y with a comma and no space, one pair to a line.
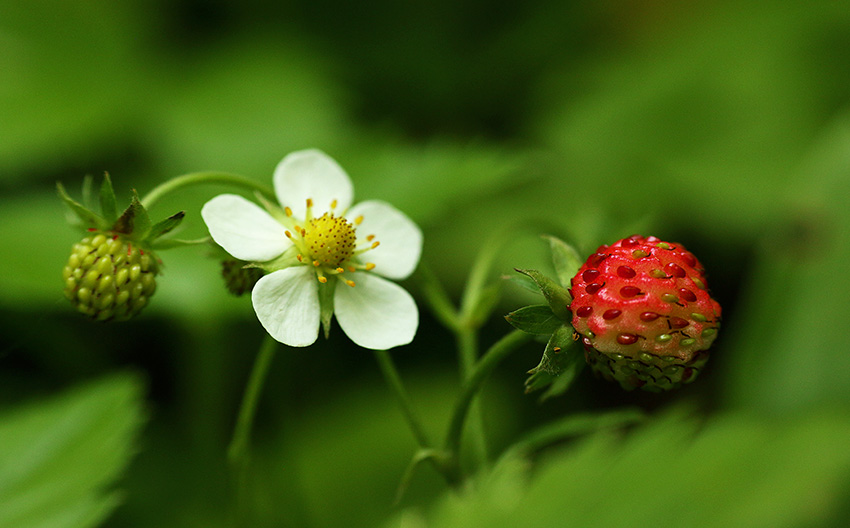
483,368
394,382
238,453
195,178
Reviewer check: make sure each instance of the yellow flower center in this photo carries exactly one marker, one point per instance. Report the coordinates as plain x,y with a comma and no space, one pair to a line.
330,243
330,240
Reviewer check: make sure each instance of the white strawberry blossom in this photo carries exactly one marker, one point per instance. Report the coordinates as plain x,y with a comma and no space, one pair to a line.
315,239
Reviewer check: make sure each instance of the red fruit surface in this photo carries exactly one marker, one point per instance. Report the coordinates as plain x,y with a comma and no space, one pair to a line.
644,312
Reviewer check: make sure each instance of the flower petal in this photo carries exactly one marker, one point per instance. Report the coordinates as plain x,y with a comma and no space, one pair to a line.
244,229
287,305
311,174
400,239
376,313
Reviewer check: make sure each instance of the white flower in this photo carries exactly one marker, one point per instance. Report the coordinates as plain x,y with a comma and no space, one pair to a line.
324,256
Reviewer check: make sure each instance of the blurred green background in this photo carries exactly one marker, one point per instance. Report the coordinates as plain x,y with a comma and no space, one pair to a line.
722,125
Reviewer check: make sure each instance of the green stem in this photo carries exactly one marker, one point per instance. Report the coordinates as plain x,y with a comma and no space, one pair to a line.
394,382
485,366
467,343
238,453
196,178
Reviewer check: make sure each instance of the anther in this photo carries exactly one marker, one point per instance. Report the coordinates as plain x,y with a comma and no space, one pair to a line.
309,202
340,270
323,280
288,234
300,257
334,204
352,269
375,244
370,238
350,283
370,266
287,211
317,263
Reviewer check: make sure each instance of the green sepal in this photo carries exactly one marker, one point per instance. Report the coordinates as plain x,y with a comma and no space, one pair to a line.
88,191
536,319
326,305
108,203
561,362
523,281
557,296
134,220
86,215
565,258
164,226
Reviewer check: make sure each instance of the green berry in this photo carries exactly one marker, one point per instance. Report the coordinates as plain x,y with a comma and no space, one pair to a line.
238,278
109,278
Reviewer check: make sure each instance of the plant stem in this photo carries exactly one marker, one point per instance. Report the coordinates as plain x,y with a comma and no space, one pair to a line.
238,453
467,343
195,178
485,366
394,382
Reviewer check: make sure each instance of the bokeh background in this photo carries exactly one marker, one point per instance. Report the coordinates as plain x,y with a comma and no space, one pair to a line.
723,125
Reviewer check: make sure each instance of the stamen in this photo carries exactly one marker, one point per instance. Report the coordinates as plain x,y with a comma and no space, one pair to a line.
350,283
288,235
352,269
370,266
375,244
300,257
309,202
334,204
358,220
317,263
323,279
370,238
309,209
287,210
340,270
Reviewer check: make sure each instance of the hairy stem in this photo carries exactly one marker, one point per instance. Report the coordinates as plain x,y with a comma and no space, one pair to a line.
197,178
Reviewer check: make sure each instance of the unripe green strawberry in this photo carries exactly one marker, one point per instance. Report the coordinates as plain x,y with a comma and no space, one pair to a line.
108,278
642,310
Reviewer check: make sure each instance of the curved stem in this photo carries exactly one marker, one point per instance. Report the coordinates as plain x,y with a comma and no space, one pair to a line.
195,178
485,366
394,382
238,452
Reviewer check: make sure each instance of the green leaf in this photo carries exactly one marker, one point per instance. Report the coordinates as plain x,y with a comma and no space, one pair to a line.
59,457
537,319
134,220
561,362
566,259
87,216
164,226
108,205
556,295
736,470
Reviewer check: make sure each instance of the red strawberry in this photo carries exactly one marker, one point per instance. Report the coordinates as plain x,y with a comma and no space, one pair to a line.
644,314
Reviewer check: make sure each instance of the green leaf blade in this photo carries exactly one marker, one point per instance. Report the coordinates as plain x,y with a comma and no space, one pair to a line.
88,217
561,363
58,457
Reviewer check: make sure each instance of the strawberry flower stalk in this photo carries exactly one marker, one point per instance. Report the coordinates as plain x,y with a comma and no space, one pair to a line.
111,273
640,309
